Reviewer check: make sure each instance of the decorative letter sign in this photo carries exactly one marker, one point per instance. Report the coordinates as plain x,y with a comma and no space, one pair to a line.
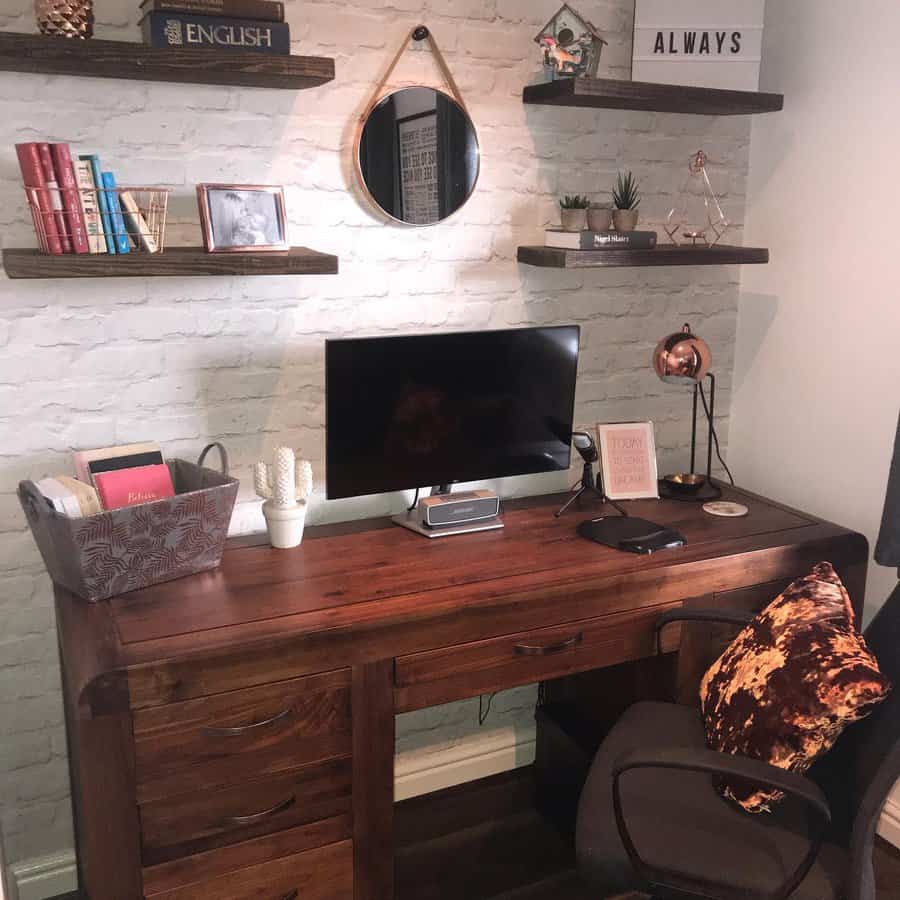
705,43
628,460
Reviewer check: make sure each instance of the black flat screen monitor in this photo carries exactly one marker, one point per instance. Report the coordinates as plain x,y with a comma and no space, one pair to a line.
425,410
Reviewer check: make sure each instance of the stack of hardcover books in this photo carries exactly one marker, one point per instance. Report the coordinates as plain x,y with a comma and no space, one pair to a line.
237,25
77,207
599,240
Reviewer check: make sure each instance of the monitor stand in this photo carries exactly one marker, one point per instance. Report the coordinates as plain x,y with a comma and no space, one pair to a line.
412,519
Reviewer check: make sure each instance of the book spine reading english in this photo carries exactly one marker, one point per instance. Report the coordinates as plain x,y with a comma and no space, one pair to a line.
34,181
263,10
186,31
105,220
116,221
56,202
65,176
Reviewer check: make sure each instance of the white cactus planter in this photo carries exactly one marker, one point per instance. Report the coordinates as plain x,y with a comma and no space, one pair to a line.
284,524
285,486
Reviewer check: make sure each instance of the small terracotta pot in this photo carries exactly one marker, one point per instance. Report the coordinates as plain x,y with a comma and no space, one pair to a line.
599,218
625,219
573,219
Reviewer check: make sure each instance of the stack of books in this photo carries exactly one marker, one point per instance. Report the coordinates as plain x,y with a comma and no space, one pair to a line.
77,207
109,478
254,25
599,240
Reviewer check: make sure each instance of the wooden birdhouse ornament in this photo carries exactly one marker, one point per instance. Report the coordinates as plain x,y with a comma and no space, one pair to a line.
571,45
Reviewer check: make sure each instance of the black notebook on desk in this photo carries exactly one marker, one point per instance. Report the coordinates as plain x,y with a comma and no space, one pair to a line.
631,534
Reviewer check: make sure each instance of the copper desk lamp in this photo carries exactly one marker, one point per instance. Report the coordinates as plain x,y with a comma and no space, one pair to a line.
685,359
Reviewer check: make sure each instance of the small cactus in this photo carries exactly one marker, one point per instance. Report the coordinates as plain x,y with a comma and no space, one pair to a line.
286,483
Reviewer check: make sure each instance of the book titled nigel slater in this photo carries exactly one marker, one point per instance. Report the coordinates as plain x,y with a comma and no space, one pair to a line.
185,31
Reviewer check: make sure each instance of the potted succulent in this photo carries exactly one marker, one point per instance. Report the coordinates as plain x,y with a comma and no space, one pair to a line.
625,200
573,212
600,216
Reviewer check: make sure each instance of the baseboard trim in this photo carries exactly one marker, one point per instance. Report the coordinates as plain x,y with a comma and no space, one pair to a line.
44,876
889,826
467,762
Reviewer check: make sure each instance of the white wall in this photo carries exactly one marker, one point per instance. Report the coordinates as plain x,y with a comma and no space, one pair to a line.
817,374
92,362
817,377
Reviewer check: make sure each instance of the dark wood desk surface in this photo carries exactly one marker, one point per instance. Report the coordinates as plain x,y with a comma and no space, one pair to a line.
367,574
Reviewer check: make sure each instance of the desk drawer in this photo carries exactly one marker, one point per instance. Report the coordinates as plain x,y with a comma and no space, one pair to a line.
325,873
191,823
226,738
464,670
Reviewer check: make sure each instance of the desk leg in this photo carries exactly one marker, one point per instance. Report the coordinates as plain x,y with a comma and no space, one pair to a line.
373,781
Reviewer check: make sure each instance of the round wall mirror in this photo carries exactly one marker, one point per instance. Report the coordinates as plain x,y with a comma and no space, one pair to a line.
418,156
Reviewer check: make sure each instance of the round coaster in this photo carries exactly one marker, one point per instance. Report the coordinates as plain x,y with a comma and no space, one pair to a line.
726,508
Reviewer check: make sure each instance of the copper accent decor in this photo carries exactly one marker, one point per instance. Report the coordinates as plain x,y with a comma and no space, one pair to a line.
685,359
682,357
65,18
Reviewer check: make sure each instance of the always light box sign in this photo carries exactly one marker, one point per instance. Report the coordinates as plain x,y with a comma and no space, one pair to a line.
706,43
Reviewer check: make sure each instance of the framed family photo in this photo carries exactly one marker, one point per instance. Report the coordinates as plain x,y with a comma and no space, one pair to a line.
628,460
237,218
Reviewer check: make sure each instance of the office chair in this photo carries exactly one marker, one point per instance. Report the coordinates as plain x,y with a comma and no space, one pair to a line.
651,819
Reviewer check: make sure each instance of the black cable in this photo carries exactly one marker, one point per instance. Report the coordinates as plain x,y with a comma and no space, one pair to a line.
414,503
715,437
485,711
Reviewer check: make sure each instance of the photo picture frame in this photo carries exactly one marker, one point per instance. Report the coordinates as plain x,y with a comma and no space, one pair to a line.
628,460
242,218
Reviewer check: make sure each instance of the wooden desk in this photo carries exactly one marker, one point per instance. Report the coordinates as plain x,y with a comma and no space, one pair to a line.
233,732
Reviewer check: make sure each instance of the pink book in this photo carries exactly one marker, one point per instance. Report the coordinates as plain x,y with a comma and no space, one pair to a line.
74,213
128,487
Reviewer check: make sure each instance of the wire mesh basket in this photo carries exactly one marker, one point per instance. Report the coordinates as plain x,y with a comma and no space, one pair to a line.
108,220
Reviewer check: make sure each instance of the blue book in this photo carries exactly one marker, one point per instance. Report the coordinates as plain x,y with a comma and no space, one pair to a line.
101,202
115,213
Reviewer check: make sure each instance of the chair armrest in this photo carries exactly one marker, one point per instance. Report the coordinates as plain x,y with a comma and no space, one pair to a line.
714,763
686,614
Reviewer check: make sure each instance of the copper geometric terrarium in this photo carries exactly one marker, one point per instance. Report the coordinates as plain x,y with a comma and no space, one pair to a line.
697,216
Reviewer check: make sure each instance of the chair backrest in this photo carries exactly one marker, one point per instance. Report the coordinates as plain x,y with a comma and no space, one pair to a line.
875,752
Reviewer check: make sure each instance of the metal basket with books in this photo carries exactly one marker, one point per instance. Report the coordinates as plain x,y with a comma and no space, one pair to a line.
78,208
256,26
129,519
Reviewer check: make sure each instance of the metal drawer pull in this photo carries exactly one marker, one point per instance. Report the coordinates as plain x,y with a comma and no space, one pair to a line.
293,895
549,649
214,731
253,818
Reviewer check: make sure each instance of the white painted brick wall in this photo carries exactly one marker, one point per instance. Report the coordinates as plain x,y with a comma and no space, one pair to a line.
89,362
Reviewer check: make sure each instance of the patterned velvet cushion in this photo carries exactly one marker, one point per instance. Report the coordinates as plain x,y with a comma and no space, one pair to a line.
790,682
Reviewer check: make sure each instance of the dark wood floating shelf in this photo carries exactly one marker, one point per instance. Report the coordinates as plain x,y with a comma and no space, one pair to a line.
181,261
126,59
662,255
607,93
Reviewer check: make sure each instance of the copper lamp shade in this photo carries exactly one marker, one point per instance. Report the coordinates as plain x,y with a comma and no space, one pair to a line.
682,357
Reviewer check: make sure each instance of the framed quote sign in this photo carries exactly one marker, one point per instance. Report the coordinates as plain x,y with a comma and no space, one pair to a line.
417,139
628,460
705,43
